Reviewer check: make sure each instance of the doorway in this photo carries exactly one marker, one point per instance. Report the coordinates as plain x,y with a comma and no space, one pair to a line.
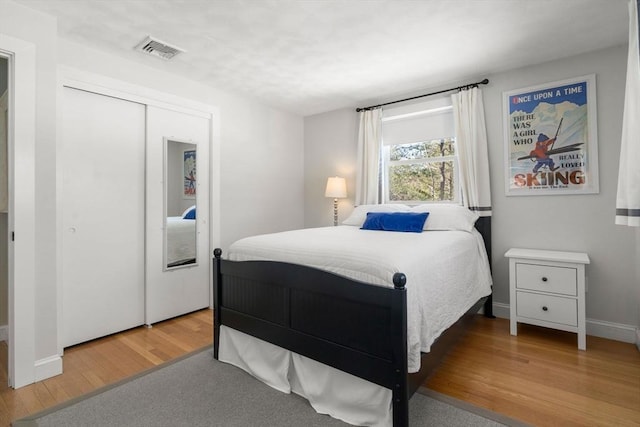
4,266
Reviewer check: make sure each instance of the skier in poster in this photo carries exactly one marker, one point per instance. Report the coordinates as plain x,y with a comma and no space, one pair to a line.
540,153
544,148
191,187
543,151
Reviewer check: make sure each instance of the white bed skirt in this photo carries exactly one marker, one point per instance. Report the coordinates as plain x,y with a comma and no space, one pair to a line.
328,390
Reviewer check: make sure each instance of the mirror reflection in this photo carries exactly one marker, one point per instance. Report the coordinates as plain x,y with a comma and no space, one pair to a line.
180,203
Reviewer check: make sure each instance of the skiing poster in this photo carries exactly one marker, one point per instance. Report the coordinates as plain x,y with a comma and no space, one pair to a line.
189,188
551,138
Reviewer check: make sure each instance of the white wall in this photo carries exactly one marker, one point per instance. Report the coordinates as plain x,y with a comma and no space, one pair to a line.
329,150
574,223
261,148
580,223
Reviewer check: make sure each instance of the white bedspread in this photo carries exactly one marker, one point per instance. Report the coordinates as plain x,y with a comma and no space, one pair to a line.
181,239
447,271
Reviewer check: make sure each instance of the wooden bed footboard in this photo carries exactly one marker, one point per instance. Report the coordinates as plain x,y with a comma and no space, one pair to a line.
350,325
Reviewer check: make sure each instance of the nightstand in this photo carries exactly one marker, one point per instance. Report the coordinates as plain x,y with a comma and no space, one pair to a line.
547,288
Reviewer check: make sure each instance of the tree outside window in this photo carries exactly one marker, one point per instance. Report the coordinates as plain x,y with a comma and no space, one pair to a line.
422,172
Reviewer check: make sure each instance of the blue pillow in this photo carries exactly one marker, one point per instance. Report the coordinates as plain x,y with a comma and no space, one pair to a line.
190,214
412,222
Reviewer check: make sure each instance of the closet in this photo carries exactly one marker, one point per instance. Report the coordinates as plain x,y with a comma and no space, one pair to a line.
103,190
113,197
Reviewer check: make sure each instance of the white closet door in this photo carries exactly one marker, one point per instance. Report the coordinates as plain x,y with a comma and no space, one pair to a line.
173,292
103,190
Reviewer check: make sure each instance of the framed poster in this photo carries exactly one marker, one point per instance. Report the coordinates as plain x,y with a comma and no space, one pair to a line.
550,137
189,159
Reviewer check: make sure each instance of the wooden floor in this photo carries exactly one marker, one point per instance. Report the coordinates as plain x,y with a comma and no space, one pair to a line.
104,361
541,378
538,377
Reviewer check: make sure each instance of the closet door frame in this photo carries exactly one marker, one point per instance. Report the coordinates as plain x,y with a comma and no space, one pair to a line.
78,79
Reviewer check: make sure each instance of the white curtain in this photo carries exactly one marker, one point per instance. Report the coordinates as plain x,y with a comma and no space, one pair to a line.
471,142
368,168
628,200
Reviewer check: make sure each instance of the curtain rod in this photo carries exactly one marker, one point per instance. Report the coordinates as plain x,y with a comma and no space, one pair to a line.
467,86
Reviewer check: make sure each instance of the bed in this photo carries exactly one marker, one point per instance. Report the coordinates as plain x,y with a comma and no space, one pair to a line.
338,314
181,241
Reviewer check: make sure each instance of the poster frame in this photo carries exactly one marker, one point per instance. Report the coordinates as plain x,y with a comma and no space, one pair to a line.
574,172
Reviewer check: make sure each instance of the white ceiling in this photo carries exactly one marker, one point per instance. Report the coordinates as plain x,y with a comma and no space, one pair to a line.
312,56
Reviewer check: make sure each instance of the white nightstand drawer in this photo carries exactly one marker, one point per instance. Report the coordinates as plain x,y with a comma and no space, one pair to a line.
545,278
548,308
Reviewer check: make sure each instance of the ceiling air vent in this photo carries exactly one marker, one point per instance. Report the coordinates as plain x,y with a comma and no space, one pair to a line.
158,48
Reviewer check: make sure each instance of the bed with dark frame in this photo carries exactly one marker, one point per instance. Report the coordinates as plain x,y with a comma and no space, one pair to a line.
350,325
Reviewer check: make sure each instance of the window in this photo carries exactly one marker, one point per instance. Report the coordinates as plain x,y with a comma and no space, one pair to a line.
421,172
420,162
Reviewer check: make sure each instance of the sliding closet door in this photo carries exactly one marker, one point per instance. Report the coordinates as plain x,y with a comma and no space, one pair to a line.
177,283
103,191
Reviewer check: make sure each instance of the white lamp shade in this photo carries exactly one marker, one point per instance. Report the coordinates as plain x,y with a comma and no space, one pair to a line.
336,187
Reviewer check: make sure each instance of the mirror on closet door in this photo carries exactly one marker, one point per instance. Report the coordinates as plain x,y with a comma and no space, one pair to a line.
180,204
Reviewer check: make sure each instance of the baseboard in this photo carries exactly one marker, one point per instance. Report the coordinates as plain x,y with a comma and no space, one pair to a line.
48,367
501,310
597,328
612,331
44,368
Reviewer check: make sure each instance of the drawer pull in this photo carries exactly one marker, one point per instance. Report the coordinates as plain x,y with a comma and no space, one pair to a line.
544,308
544,279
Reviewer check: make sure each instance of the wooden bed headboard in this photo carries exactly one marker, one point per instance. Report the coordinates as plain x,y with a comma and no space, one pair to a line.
483,225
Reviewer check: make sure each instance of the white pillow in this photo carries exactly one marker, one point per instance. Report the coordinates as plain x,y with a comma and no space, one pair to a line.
359,214
444,216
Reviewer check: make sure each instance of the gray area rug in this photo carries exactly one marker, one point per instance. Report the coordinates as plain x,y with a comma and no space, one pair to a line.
197,390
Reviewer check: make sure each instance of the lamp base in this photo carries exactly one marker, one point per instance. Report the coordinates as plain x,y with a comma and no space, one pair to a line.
335,212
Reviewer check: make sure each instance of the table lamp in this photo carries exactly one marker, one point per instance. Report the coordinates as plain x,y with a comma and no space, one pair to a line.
336,188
